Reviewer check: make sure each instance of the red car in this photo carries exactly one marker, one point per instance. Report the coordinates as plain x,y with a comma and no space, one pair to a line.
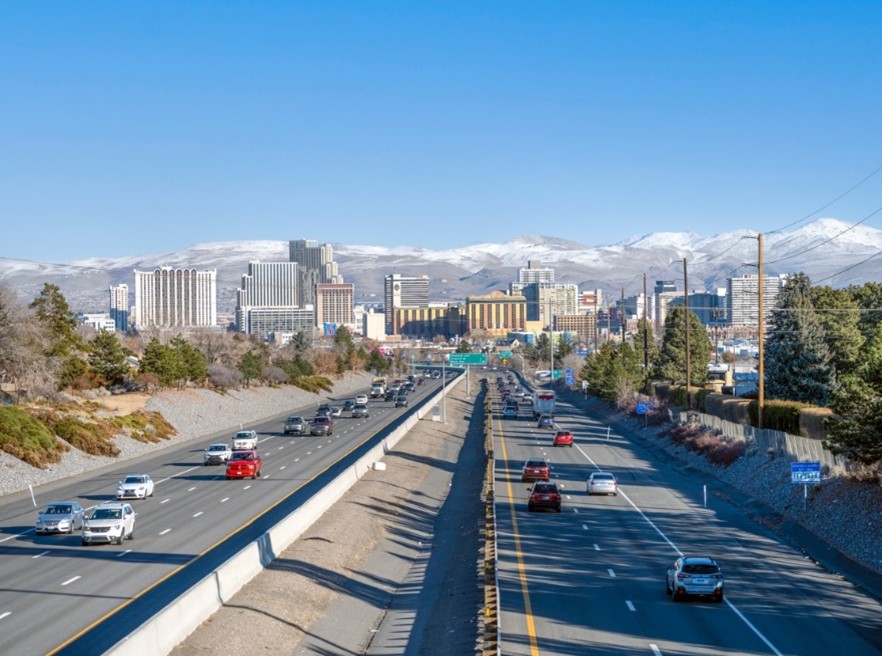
563,438
243,464
536,469
544,495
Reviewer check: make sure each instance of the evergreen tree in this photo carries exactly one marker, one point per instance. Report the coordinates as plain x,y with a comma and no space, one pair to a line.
107,358
464,347
164,362
250,365
195,364
55,315
671,364
614,372
869,299
838,314
797,361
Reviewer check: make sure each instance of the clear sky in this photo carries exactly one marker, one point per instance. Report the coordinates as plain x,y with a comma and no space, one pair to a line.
138,128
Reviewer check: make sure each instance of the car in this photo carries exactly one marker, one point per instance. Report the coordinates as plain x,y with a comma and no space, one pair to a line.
390,395
217,454
536,469
243,464
410,386
296,424
509,412
321,425
361,398
109,522
360,410
563,438
401,401
602,483
245,440
60,517
348,404
324,410
698,576
420,381
545,421
135,486
544,495
336,410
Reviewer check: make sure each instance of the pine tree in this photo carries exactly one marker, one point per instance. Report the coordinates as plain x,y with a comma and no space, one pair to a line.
840,327
797,361
54,314
671,363
107,358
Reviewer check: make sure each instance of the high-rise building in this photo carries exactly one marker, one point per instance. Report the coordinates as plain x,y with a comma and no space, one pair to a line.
404,291
535,272
119,306
548,299
317,266
175,298
742,298
266,285
263,322
429,322
333,304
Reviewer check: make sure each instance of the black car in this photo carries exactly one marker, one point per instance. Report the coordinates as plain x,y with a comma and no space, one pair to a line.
390,395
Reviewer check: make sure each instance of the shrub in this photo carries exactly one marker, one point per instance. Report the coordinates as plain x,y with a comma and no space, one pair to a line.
144,426
88,436
27,438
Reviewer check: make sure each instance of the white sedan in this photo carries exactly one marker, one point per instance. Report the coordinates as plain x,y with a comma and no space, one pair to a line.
361,398
135,486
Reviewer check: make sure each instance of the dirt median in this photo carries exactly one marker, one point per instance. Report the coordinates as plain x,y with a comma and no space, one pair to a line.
410,533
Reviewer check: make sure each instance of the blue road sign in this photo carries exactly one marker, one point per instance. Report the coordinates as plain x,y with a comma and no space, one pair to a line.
805,472
644,408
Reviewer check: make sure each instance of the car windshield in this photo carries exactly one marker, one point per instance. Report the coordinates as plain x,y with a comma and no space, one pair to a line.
133,480
243,456
245,434
544,487
535,463
58,510
217,447
106,513
603,477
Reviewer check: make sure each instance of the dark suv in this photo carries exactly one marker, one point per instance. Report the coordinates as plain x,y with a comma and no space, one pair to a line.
544,495
321,425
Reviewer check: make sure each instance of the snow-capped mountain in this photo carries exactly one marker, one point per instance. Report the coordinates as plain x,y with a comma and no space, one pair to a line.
824,249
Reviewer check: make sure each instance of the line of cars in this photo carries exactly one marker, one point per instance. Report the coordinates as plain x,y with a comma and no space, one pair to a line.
688,576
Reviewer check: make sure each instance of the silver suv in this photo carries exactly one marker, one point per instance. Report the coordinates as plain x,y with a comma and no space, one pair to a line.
296,424
690,575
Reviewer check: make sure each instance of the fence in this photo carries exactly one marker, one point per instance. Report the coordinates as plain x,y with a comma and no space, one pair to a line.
773,442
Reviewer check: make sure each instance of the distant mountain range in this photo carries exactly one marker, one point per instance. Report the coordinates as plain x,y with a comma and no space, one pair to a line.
828,250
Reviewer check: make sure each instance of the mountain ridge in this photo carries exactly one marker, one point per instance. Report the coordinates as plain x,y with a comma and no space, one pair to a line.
823,249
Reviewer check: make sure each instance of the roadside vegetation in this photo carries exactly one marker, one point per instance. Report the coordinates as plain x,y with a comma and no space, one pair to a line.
54,372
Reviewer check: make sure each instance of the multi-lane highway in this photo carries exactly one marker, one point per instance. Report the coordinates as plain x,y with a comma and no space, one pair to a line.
53,588
591,579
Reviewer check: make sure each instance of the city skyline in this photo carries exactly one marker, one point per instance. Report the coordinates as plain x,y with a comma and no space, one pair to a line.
431,126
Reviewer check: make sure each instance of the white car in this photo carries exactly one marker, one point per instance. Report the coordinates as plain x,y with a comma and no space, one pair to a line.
245,440
135,486
109,522
361,399
217,454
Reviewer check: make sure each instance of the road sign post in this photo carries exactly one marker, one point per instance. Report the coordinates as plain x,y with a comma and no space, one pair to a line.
805,473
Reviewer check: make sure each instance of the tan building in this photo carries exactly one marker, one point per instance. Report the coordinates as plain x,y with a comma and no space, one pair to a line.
428,322
333,304
584,325
496,313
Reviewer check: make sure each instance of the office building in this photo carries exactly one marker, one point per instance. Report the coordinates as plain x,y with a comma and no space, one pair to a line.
266,285
175,298
316,266
742,298
333,304
535,272
403,291
100,322
267,322
429,322
496,313
119,306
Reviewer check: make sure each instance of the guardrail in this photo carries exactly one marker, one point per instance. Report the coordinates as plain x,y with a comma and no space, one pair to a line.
491,571
158,633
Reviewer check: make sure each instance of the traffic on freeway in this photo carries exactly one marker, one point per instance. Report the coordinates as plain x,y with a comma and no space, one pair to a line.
55,588
634,563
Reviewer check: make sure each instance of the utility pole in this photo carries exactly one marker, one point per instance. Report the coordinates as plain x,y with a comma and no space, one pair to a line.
645,337
686,319
622,315
761,390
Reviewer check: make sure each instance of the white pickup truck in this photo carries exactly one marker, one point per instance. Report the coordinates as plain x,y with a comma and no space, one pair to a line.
245,440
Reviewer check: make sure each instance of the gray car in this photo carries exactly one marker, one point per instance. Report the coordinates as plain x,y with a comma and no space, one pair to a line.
296,424
690,575
60,517
360,410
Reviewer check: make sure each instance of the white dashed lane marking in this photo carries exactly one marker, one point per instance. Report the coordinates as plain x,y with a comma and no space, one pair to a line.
72,580
168,530
40,554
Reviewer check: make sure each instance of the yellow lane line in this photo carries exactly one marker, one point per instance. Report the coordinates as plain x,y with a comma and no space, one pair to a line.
522,570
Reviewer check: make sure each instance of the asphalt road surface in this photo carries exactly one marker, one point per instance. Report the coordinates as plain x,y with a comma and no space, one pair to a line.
591,579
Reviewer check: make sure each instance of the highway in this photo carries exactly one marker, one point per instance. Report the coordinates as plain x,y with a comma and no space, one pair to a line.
591,579
53,588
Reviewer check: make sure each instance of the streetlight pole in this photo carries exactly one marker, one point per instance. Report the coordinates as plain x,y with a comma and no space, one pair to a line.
686,319
761,390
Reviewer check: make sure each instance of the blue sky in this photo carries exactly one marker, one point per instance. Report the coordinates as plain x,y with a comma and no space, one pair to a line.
139,128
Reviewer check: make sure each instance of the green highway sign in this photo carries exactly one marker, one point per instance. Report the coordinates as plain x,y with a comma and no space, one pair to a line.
468,358
505,355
